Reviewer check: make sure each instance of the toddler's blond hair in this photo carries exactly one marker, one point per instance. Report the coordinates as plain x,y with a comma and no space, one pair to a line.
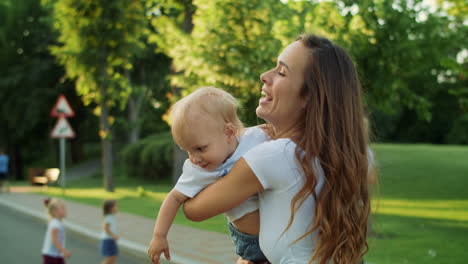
51,205
214,102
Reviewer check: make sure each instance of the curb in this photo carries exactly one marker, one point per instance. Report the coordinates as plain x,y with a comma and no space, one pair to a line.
135,249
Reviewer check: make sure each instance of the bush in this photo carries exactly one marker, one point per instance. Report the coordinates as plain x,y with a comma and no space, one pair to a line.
150,158
459,132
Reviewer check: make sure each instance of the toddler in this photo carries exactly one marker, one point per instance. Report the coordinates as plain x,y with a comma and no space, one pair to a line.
53,249
109,237
206,125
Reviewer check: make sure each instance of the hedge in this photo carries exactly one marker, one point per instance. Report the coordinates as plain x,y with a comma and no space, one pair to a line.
150,158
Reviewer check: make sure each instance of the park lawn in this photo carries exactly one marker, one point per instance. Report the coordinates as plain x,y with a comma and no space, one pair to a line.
420,212
134,196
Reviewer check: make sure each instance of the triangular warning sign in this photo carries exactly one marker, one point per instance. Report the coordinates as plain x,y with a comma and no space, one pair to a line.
62,108
62,129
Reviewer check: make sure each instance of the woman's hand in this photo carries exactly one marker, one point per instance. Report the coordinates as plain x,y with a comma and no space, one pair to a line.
240,260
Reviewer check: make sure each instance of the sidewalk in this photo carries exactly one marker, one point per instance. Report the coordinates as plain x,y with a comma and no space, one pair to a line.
188,245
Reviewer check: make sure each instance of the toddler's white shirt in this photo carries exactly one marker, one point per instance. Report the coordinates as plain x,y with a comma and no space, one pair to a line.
48,247
109,219
194,179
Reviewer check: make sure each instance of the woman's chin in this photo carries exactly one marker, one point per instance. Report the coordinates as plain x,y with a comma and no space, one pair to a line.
262,113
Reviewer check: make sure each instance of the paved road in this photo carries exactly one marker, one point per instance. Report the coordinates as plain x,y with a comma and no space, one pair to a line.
21,242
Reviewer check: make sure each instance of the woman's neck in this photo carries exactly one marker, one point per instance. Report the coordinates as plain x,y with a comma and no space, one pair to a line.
290,132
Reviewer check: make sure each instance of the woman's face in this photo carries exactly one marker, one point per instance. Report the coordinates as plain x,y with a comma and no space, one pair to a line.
281,104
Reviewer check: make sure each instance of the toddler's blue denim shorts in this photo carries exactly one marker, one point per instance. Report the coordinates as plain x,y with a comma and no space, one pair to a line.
109,248
247,246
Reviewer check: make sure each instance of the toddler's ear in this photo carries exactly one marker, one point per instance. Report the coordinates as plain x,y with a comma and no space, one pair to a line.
230,130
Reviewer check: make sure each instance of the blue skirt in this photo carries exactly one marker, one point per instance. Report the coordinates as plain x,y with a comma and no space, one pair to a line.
109,248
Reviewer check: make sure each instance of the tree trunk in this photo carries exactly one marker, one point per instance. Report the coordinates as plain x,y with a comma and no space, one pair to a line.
179,157
76,149
134,126
16,163
189,10
135,103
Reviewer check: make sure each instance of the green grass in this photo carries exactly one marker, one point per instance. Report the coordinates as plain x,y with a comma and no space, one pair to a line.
421,213
134,196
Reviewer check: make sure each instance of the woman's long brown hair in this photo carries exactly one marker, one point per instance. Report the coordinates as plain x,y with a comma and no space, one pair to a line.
333,134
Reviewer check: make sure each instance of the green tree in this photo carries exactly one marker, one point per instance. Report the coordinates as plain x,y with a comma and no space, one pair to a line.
29,84
400,49
97,40
230,45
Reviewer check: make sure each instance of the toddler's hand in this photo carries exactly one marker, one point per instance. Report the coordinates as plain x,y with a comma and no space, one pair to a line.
157,246
116,237
66,253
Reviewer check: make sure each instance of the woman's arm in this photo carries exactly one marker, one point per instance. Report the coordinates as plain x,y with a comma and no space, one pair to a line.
228,192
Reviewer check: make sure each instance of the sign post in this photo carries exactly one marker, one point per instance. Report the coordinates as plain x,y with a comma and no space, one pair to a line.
62,130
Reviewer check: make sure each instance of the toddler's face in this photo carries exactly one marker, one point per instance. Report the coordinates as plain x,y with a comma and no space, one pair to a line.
208,143
60,211
115,209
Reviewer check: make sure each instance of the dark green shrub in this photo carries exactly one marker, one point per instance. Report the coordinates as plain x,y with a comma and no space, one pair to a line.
149,158
459,132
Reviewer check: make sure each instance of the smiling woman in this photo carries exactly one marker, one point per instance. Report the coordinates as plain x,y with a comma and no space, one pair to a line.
282,98
312,176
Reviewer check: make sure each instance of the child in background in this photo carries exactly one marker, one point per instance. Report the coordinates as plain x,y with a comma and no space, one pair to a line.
206,125
109,237
3,171
53,249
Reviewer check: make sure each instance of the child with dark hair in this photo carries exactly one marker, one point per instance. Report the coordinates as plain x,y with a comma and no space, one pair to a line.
109,237
53,249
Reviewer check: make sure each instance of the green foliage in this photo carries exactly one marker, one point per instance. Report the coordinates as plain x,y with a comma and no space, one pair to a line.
29,83
141,191
230,44
96,44
149,158
405,52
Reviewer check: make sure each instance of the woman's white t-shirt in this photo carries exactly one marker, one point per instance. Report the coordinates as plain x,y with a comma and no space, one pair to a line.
275,165
48,247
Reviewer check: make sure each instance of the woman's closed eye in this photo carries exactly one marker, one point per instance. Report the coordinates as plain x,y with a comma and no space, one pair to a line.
280,70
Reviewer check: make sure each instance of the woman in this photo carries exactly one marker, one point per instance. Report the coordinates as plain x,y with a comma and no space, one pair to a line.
312,176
